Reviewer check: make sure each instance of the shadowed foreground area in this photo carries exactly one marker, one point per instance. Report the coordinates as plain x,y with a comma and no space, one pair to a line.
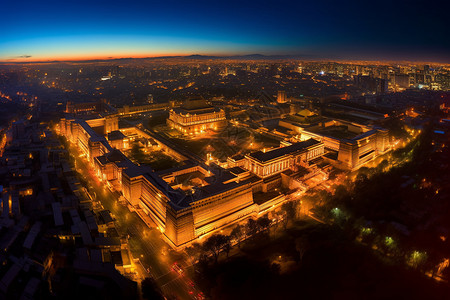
332,267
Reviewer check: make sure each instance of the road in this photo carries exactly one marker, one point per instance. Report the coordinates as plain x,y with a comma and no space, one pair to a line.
146,244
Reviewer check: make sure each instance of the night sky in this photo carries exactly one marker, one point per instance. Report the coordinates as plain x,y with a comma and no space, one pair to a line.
399,30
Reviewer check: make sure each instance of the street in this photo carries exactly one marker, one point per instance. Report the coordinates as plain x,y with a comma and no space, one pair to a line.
146,244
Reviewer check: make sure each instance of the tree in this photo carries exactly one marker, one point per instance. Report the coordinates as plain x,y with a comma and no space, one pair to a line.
301,245
275,268
227,246
383,165
323,197
361,178
215,243
279,215
340,192
251,227
136,152
417,259
289,211
263,223
194,252
237,233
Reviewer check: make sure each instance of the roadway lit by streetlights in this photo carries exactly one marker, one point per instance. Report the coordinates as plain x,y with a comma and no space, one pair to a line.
152,256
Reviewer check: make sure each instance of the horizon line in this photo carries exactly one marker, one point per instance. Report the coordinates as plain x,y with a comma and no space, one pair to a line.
304,57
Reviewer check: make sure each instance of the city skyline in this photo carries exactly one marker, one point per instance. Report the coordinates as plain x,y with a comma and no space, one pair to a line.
104,30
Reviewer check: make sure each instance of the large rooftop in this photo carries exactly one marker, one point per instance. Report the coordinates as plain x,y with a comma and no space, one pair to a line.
266,156
335,131
196,111
115,135
220,181
195,106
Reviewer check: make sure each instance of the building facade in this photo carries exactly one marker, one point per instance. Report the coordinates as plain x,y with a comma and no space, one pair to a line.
266,164
195,117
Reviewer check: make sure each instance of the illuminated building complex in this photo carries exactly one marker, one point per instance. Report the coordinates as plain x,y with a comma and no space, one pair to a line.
194,199
195,116
354,144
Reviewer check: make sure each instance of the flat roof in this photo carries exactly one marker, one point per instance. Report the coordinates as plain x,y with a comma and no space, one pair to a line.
350,138
30,288
57,214
85,234
218,182
92,134
269,155
34,231
116,135
196,111
9,276
335,131
217,188
107,241
126,261
237,170
237,157
106,216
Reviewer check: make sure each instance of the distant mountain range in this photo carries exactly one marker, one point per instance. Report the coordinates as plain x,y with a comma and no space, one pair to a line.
193,57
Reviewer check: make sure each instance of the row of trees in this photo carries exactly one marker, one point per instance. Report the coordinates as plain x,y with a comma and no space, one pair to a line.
219,243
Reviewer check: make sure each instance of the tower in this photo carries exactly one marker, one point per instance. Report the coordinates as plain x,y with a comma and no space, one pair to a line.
150,98
281,98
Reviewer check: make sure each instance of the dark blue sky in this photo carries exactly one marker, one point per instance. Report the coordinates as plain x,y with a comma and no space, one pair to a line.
410,30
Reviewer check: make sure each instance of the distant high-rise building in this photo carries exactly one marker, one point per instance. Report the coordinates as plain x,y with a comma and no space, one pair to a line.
401,81
116,71
150,98
371,84
281,98
241,73
18,130
382,86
